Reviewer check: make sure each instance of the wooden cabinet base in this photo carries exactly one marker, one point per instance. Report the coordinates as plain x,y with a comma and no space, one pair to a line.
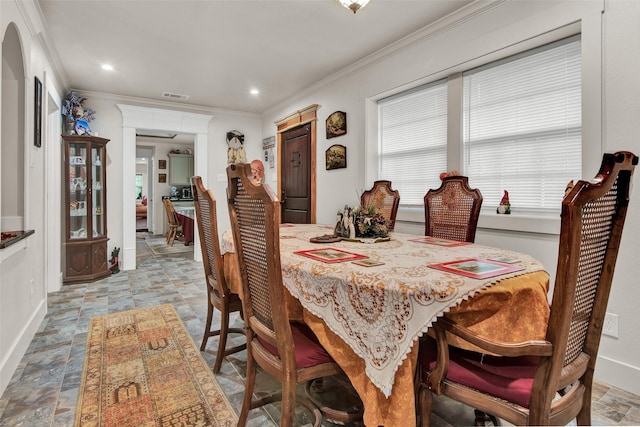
85,261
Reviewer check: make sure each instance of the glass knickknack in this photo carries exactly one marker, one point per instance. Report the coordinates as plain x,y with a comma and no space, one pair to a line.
85,233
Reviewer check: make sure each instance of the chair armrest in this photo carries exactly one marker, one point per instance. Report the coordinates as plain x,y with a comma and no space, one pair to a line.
527,348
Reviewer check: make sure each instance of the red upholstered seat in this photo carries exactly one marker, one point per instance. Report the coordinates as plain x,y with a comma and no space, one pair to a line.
308,352
509,378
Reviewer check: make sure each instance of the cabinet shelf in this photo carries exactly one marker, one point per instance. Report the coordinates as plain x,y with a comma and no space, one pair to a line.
85,232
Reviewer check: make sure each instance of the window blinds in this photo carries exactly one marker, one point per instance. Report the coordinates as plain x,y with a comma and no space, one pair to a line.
522,127
412,140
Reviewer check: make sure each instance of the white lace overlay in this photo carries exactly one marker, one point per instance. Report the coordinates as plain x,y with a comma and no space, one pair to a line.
379,311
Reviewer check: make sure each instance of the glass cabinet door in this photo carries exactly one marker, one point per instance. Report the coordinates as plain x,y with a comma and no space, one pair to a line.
97,199
78,181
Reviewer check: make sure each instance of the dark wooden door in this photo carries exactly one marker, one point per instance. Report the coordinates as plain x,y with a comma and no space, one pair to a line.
296,175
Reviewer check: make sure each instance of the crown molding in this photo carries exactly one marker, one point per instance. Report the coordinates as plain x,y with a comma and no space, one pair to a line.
430,31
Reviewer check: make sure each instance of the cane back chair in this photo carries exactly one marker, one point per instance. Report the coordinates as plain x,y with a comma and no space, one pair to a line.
545,382
287,351
451,212
384,199
219,296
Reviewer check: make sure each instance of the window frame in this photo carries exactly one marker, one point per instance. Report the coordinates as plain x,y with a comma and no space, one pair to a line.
589,28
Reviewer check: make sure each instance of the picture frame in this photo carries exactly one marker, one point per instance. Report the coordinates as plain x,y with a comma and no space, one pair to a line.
162,177
37,117
476,268
336,157
330,255
336,124
162,164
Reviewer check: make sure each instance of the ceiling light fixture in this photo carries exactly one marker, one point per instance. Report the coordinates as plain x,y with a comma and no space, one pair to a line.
354,5
107,67
254,91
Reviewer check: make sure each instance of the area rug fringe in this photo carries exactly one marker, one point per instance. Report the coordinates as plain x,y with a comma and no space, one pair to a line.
142,368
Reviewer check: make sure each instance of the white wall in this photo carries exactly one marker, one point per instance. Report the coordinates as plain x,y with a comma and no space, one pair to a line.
23,285
611,124
620,359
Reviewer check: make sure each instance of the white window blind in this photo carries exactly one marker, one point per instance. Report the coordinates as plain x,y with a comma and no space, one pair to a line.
522,127
412,140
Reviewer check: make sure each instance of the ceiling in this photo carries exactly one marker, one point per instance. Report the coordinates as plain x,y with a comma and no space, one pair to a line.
215,51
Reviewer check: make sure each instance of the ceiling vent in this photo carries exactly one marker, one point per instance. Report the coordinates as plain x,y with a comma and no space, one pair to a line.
175,96
155,134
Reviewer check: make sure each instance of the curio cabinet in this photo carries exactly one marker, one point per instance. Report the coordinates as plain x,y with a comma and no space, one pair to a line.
85,208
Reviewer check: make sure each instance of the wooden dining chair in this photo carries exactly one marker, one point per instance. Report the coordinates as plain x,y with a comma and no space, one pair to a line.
384,199
452,211
219,295
172,221
544,382
288,351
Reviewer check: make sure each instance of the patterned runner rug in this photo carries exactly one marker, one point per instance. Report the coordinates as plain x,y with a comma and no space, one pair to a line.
142,368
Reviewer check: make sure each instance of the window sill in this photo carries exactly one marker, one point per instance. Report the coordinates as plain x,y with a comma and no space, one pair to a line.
526,223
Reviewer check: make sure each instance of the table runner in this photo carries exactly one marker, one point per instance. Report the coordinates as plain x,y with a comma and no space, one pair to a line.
380,311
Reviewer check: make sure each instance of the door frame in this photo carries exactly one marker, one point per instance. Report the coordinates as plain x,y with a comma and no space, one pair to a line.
136,117
299,118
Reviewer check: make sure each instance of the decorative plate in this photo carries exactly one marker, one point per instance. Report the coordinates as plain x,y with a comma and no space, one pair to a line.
325,238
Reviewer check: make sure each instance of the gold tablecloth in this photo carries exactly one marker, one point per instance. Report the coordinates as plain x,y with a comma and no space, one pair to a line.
512,310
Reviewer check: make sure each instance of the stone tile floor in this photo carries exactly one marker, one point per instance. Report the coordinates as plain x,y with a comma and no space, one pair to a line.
44,388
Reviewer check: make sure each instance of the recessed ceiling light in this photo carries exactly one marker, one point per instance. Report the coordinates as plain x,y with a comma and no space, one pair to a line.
107,67
254,91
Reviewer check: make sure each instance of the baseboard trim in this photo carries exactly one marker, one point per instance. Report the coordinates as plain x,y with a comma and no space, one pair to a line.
618,374
13,357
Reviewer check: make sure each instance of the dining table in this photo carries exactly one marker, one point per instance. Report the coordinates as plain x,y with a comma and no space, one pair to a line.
369,302
186,216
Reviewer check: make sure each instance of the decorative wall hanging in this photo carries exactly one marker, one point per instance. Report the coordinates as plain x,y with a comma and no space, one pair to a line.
268,144
336,124
235,152
162,177
162,164
336,157
37,121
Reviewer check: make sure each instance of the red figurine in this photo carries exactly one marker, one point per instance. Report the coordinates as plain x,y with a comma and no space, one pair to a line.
504,207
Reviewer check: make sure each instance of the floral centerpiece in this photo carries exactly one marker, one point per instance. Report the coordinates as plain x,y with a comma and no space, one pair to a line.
361,222
77,116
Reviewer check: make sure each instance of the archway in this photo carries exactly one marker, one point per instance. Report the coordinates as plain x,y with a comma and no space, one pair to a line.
12,205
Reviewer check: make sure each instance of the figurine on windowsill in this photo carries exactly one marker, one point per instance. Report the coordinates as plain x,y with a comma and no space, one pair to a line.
505,206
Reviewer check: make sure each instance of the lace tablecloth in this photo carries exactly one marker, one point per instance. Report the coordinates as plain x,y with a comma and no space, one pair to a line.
379,311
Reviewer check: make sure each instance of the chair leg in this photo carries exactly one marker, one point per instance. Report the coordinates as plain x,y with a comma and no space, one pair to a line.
207,328
172,235
248,390
584,416
288,402
222,341
482,418
426,403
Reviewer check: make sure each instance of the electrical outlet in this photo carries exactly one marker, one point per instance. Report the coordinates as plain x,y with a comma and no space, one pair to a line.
610,326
